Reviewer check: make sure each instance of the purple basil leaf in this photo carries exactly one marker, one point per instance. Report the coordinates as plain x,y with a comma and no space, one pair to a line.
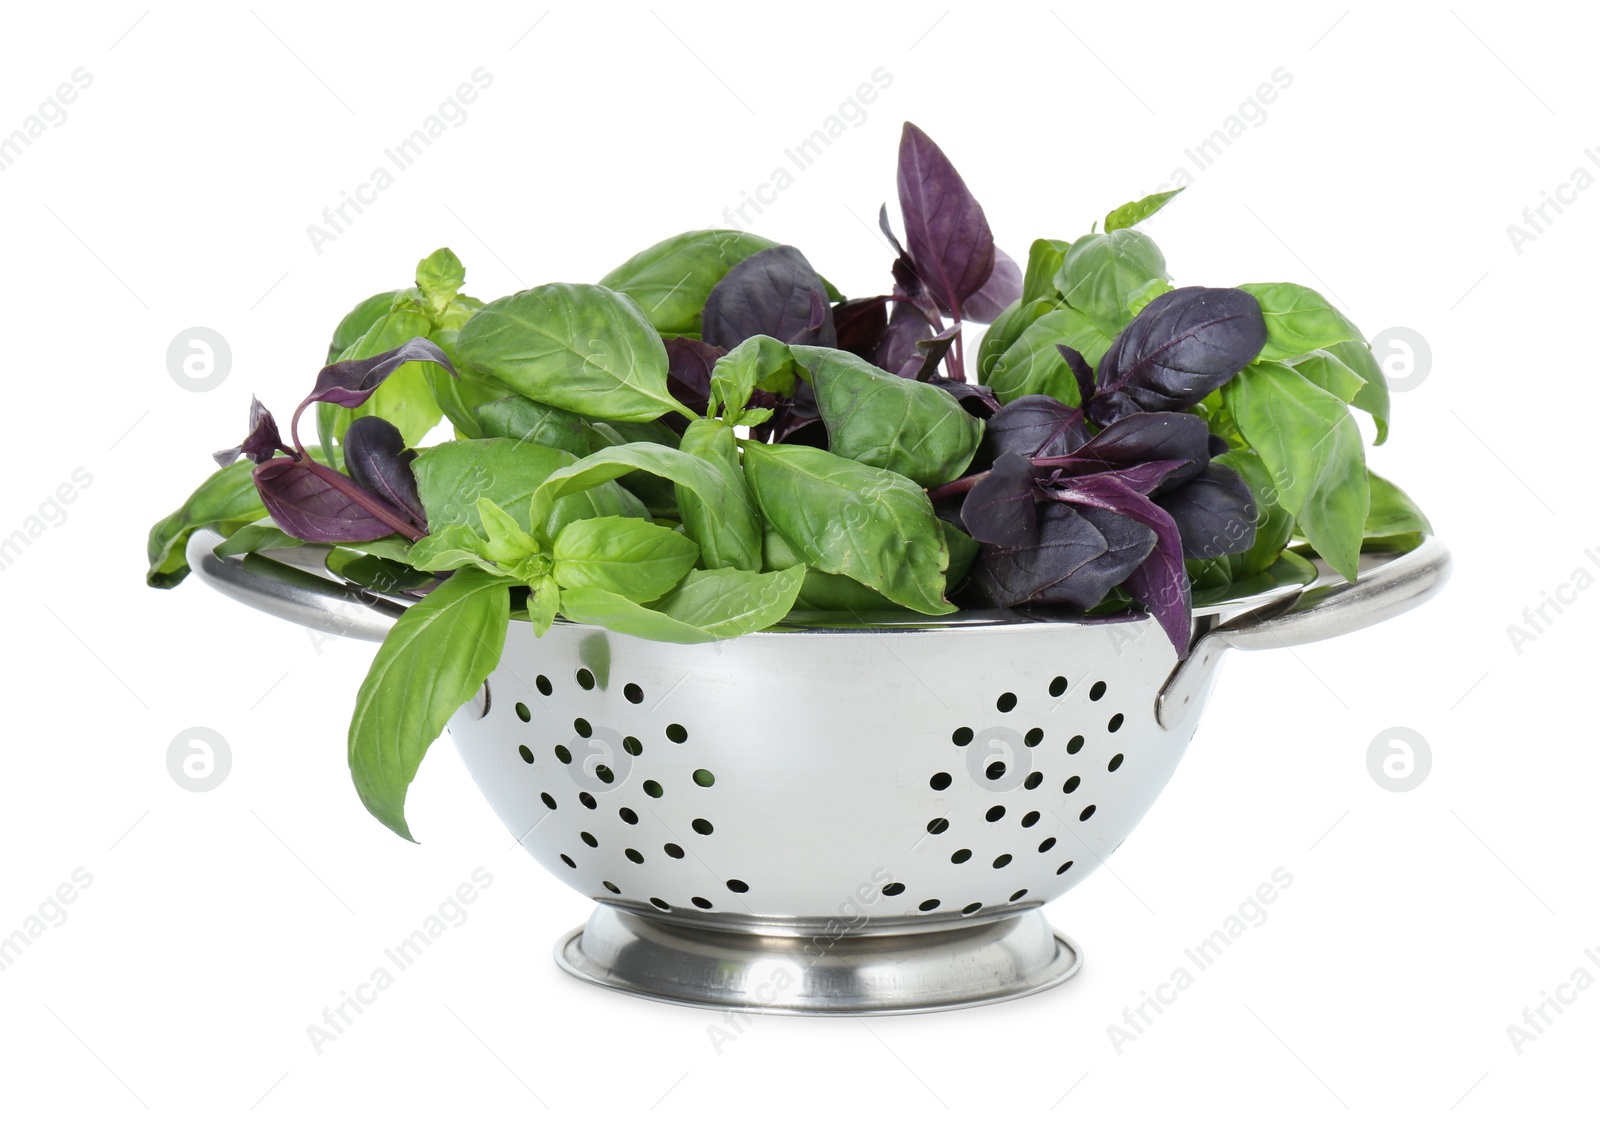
1215,513
1128,544
1184,344
689,363
1082,373
888,232
1072,564
772,292
999,509
377,459
1000,291
1035,425
1217,444
907,327
351,382
947,235
1142,438
808,433
819,312
948,508
1145,478
306,505
261,444
1160,582
979,400
929,353
1110,406
789,416
908,285
859,325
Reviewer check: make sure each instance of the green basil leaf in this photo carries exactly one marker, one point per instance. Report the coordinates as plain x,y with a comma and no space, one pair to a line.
507,542
431,663
1044,261
633,558
608,500
1132,213
671,280
900,424
458,396
394,547
377,573
228,496
518,418
1311,445
823,591
255,538
1298,320
618,613
963,551
358,321
405,399
840,516
1274,524
576,346
632,432
728,602
440,276
1032,364
449,547
657,494
1142,295
1325,371
729,535
1392,512
1005,330
544,601
828,591
1101,272
611,463
761,361
452,477
1373,397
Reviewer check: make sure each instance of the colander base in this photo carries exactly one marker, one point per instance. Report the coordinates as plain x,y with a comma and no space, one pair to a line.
861,975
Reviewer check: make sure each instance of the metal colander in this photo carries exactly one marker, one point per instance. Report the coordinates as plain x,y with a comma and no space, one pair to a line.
829,819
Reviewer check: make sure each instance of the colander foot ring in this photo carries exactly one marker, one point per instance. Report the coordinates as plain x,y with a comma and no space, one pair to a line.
860,975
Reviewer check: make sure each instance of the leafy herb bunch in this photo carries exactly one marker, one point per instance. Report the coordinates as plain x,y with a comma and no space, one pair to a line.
712,437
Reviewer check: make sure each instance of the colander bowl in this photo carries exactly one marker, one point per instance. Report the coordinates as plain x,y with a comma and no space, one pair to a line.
837,819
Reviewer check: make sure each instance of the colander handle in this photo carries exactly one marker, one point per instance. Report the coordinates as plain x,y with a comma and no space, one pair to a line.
1387,589
292,593
1322,611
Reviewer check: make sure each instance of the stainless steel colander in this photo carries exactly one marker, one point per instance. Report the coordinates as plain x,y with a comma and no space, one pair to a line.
836,819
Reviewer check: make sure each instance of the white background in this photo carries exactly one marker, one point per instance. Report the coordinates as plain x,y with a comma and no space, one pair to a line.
219,925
